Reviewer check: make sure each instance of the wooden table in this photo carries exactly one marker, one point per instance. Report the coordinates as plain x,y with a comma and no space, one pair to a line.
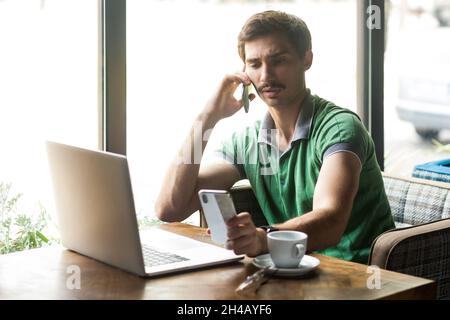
43,273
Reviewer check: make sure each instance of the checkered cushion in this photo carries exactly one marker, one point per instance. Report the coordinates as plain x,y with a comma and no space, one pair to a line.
416,203
422,251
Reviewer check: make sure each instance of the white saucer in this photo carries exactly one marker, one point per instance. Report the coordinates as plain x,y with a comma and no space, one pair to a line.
307,265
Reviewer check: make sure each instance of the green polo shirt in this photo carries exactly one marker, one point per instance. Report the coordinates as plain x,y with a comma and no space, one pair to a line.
284,182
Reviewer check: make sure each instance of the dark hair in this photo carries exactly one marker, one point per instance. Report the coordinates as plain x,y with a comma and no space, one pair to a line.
268,22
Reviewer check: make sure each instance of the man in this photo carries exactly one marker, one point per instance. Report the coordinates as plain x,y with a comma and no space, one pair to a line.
315,168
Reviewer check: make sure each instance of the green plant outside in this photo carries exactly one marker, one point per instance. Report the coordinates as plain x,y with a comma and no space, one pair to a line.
441,147
147,222
19,231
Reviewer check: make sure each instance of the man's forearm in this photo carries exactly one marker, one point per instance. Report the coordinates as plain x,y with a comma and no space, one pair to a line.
180,181
322,228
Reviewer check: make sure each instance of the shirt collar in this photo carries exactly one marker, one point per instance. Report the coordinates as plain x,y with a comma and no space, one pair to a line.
302,125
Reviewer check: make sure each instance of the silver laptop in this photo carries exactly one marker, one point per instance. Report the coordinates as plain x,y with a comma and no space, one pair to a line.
96,215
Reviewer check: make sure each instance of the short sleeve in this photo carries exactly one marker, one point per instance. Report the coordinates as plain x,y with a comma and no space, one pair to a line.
342,132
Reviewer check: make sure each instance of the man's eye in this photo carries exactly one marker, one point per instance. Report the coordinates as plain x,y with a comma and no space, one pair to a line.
279,60
254,65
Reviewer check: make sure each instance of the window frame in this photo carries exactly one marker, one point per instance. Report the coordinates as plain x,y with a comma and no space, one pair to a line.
370,74
112,77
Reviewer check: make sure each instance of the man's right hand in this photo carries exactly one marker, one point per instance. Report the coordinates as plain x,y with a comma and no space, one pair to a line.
223,104
178,197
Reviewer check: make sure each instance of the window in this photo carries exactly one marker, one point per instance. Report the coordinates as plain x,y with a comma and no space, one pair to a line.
48,84
417,87
178,51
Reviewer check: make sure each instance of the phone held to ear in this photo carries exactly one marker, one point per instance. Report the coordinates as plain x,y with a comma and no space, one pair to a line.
245,98
218,207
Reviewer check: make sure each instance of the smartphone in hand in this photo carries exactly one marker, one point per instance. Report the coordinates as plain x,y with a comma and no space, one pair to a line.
217,207
245,98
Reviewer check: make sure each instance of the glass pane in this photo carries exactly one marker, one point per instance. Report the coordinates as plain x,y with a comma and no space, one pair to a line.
178,51
417,84
48,83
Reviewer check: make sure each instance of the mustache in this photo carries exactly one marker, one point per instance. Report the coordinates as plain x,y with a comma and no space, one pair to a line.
271,84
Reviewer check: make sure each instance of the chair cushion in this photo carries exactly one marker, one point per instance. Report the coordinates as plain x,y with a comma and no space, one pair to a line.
422,251
402,225
413,202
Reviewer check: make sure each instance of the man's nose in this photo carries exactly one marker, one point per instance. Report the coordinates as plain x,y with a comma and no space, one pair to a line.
266,73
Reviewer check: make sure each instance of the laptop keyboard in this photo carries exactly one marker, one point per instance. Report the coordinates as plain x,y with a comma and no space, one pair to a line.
153,257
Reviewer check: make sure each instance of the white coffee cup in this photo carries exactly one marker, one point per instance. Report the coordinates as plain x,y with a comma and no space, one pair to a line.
287,248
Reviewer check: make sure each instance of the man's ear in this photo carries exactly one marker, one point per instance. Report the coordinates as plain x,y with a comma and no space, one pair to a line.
308,59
